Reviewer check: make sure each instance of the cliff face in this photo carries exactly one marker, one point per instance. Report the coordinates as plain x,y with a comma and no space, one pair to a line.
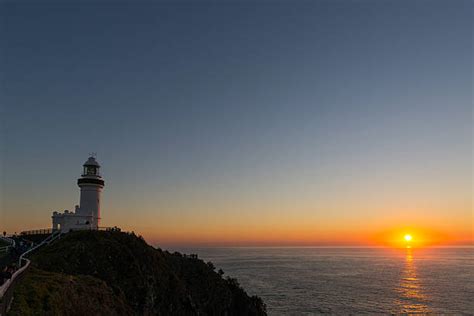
127,276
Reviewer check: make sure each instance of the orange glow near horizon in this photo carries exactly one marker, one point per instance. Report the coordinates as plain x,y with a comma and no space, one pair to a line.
288,229
414,237
305,236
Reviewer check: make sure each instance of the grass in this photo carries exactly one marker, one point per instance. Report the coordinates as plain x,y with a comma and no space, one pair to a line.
62,294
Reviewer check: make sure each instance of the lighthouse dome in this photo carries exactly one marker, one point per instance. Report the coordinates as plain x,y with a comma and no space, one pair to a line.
91,162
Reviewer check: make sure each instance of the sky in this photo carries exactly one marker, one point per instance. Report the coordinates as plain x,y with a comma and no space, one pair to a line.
242,123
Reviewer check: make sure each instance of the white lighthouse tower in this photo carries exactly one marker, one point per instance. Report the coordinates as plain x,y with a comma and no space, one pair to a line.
87,213
91,184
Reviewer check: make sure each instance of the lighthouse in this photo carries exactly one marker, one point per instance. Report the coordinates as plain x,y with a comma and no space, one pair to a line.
91,184
87,213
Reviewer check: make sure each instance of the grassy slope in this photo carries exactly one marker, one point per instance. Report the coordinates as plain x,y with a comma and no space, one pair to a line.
51,293
36,238
150,280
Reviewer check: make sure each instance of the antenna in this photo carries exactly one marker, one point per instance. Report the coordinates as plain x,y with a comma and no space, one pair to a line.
93,155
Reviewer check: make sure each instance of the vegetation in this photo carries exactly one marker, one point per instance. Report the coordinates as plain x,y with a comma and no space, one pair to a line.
126,276
36,238
4,254
50,293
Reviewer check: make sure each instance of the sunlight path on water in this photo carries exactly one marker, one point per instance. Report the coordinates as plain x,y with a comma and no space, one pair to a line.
412,298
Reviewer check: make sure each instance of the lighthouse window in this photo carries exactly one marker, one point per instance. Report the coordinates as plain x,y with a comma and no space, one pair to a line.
91,170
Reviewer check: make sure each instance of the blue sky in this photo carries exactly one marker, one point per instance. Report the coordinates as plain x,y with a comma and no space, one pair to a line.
198,108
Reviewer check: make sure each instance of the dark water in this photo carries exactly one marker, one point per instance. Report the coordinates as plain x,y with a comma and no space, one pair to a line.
299,281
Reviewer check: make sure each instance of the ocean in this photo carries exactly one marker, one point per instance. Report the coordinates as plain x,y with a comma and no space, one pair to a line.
306,281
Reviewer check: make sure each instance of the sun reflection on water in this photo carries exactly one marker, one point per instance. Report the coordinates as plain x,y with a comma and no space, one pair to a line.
412,299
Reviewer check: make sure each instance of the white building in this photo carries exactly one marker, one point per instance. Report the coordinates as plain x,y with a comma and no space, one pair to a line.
87,213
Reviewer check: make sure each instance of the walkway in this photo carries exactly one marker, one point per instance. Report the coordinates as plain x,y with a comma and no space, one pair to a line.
6,290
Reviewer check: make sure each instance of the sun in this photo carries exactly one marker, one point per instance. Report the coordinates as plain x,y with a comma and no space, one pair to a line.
408,237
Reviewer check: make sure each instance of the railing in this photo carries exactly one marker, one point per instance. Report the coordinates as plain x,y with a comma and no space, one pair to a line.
38,232
47,231
6,290
109,229
55,235
8,240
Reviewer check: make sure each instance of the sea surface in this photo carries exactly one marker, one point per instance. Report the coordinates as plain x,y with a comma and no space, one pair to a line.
306,281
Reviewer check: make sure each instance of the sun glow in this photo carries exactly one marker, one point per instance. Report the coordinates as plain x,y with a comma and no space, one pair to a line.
414,237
